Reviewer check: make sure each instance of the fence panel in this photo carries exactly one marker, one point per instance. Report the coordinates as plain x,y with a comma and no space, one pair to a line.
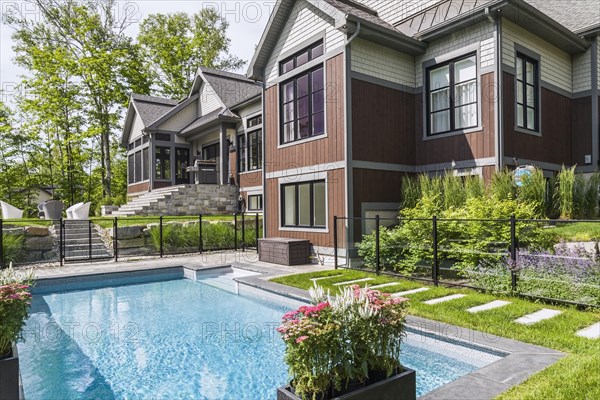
27,241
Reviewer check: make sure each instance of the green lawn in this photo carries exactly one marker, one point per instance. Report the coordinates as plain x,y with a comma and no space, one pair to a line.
577,376
107,222
578,231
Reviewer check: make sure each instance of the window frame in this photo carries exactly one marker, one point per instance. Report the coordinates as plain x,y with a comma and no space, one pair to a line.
241,152
248,202
256,130
450,62
524,56
162,156
297,226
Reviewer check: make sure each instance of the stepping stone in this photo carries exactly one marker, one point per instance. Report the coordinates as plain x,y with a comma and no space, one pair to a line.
385,285
445,299
406,293
354,281
537,316
591,332
326,277
489,306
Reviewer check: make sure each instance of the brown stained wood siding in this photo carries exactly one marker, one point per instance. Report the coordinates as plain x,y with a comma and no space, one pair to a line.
581,129
159,184
383,124
328,149
250,179
487,172
335,204
138,187
554,146
460,147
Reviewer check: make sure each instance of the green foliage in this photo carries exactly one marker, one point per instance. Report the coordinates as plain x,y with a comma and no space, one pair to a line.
12,248
533,192
15,299
175,45
590,207
411,192
474,187
502,186
565,192
453,191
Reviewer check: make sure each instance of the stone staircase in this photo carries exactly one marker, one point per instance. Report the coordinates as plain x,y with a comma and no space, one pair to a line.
76,246
182,200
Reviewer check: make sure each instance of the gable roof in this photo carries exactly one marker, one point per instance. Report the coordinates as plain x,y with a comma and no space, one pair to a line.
231,88
207,120
151,108
576,15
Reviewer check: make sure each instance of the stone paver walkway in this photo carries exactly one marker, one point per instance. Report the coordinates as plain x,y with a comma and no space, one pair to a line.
591,332
385,285
445,299
537,316
409,292
488,306
352,282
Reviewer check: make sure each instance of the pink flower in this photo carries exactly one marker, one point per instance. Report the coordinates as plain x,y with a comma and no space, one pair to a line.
301,339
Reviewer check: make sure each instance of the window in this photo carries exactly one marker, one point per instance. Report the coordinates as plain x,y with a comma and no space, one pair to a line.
138,166
255,202
255,150
302,106
130,169
241,153
210,152
255,121
303,205
145,170
163,137
301,58
452,95
163,163
527,93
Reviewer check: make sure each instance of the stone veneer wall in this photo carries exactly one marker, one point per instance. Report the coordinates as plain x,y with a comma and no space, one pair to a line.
196,199
38,244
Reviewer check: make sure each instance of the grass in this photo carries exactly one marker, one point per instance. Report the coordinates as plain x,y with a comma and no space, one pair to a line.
107,222
577,376
578,231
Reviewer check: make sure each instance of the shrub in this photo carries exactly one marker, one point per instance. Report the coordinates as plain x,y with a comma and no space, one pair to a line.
565,191
502,186
410,192
12,248
15,299
533,192
453,191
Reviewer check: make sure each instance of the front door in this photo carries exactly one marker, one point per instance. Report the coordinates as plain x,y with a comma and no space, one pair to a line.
182,161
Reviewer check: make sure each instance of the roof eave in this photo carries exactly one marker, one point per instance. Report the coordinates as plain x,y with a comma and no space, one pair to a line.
513,10
391,38
128,123
199,129
590,31
246,102
154,125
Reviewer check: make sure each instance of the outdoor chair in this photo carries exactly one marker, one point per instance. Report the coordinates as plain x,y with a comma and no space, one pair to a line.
81,211
70,210
10,212
41,210
53,209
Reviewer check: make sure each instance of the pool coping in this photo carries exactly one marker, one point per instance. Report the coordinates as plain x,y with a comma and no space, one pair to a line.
521,362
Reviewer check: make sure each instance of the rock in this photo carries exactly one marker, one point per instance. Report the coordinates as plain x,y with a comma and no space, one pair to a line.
131,243
127,232
37,231
13,231
39,243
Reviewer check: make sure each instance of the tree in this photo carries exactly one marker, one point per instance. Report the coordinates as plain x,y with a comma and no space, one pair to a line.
86,39
175,45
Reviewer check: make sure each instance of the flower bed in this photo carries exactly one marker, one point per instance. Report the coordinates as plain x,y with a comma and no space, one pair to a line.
342,343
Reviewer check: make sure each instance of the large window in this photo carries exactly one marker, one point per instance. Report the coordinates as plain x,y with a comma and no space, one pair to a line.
145,170
163,163
138,166
452,96
527,93
302,98
303,205
255,150
241,153
130,169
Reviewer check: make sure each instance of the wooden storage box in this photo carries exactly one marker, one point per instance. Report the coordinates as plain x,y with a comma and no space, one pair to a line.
283,251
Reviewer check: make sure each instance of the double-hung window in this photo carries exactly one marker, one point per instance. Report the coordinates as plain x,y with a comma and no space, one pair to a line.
452,101
255,202
527,93
303,205
241,153
254,127
302,97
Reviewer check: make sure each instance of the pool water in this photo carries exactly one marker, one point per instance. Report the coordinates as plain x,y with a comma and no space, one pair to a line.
181,339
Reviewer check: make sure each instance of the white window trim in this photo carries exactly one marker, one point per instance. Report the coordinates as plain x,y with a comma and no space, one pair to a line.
311,177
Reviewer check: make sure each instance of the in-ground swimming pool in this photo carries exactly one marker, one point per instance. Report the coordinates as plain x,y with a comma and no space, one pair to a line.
181,339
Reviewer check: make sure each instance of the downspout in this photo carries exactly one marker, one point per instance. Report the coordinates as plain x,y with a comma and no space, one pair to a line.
595,108
498,107
264,158
150,155
349,198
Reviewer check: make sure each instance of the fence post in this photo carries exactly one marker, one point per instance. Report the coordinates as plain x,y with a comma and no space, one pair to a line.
60,241
116,238
435,268
90,239
513,252
1,244
243,232
335,241
377,253
200,245
160,234
257,231
235,235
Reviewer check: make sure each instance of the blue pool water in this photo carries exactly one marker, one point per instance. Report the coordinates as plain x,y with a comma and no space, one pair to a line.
180,339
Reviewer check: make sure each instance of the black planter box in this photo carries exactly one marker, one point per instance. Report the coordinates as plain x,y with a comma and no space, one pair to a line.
402,386
9,376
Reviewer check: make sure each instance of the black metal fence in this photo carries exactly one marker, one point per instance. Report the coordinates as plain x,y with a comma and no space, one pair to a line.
551,260
29,241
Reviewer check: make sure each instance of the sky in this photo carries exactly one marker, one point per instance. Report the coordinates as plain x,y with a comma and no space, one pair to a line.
247,20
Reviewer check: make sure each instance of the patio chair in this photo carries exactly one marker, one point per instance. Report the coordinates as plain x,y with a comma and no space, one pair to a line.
10,211
53,209
41,210
70,210
82,211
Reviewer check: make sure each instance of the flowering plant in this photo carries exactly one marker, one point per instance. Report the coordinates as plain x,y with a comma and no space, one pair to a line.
15,298
343,338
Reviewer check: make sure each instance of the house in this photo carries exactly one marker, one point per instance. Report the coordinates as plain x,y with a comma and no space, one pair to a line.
197,147
358,94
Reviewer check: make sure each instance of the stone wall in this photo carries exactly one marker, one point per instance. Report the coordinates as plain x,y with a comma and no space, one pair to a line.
197,199
38,243
131,240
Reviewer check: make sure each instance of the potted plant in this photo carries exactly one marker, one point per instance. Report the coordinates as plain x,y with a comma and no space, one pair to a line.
347,347
15,299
